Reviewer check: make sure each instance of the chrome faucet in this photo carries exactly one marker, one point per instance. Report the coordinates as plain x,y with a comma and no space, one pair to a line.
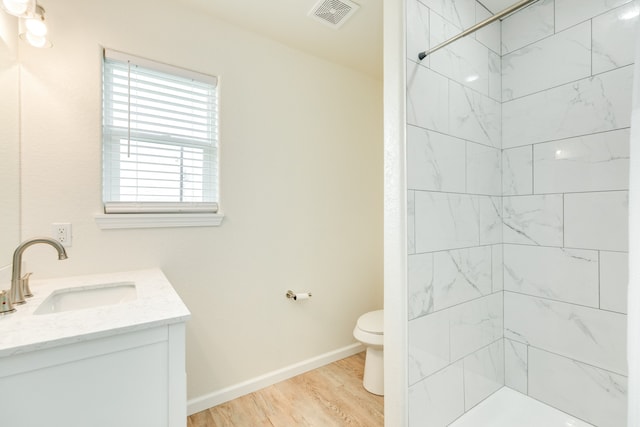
20,285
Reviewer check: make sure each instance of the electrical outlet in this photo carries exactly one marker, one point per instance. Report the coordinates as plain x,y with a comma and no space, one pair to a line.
61,231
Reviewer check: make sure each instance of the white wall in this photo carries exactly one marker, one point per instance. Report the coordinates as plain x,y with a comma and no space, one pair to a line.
395,217
9,138
301,184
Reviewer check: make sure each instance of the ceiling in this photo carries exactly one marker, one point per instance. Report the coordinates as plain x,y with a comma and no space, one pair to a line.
357,44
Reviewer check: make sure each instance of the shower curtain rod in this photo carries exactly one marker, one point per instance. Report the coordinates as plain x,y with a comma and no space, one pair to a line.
476,27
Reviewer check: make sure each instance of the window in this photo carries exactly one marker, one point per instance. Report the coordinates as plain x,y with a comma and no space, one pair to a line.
160,148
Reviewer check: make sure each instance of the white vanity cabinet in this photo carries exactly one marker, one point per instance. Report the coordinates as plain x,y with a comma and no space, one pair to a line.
130,375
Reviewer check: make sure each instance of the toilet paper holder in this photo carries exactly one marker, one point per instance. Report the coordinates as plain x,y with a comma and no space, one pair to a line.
297,296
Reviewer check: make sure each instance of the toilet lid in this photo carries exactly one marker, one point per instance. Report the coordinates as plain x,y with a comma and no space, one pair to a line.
372,322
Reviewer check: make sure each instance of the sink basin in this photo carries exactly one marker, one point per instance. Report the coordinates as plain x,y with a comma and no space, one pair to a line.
87,297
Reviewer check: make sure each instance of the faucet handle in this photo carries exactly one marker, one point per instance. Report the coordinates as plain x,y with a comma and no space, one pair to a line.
6,306
24,282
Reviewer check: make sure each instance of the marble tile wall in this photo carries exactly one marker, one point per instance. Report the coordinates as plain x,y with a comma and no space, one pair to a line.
454,176
517,171
599,396
566,85
521,68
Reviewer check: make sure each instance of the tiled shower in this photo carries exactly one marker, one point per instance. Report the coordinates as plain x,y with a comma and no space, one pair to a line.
517,171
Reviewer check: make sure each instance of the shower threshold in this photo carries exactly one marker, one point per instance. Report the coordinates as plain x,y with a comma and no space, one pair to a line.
508,408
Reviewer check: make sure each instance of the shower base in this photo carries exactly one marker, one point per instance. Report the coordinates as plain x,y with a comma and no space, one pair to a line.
508,408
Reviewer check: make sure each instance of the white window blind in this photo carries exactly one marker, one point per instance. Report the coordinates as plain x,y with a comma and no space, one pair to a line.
160,148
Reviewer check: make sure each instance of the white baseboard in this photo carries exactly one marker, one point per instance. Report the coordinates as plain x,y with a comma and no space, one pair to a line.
232,392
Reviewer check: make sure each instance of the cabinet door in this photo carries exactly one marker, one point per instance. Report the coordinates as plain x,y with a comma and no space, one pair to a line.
103,383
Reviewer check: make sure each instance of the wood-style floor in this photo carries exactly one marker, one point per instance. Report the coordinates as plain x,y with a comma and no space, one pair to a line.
325,397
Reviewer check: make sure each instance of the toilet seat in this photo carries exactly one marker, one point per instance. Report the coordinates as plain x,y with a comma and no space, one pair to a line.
372,322
369,329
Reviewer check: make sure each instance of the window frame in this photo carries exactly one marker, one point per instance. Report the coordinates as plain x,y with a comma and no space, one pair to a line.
148,214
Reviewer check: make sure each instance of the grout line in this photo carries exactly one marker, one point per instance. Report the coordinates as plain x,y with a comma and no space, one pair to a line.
458,360
599,281
548,36
527,366
591,47
535,347
555,193
493,283
518,244
569,83
475,299
555,13
511,291
464,386
564,221
533,176
466,167
546,141
569,138
504,356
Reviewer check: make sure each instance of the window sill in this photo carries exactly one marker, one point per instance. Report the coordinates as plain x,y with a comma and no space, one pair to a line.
170,220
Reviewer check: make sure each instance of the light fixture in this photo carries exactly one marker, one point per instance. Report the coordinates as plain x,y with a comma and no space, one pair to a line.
31,25
18,7
35,24
33,29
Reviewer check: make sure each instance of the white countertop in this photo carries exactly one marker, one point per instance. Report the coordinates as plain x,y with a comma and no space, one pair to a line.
157,304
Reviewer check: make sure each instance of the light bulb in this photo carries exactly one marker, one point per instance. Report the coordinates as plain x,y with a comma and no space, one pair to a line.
16,7
33,29
35,40
36,26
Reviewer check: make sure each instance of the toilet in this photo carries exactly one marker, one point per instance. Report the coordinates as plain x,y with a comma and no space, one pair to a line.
368,331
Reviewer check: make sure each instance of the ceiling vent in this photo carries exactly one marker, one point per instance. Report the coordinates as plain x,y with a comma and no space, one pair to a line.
333,12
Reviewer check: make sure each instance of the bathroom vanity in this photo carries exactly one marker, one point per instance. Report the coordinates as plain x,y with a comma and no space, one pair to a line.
67,359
